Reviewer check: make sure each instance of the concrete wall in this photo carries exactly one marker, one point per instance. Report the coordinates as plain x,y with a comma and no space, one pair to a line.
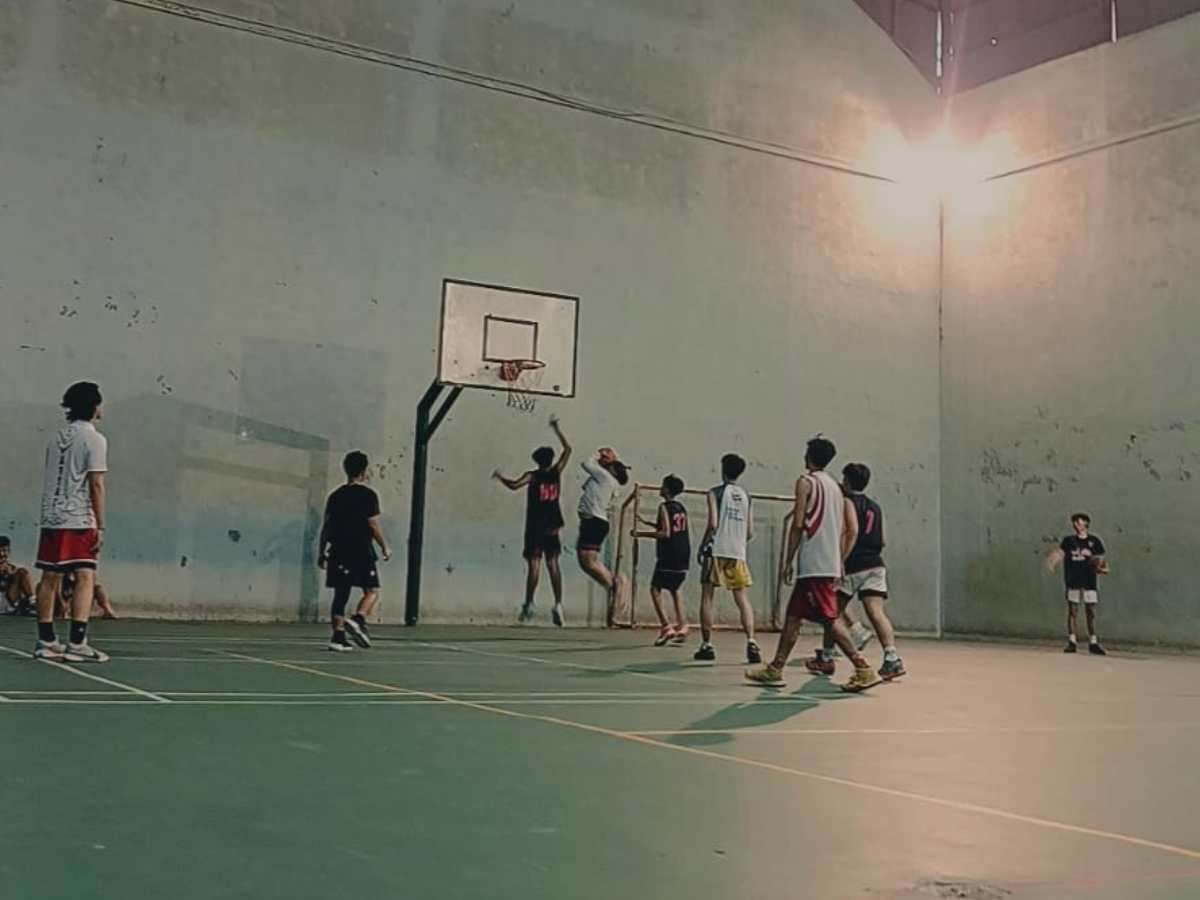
1070,321
239,224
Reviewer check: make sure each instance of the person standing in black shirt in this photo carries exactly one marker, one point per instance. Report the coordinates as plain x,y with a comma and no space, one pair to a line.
346,549
674,556
1083,558
543,520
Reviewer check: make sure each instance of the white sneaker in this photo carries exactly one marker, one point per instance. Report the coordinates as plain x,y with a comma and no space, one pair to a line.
84,652
358,634
861,637
339,648
557,614
52,651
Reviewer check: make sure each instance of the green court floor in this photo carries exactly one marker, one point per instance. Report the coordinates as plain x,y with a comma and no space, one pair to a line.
218,761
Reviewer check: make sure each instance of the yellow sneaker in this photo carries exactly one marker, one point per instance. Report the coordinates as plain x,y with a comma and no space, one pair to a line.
863,680
764,674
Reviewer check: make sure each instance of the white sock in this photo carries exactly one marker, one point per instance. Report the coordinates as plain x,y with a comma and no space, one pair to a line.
889,653
1093,639
1070,639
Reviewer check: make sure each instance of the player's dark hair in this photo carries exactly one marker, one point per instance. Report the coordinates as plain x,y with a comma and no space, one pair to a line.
355,463
673,485
1082,517
81,400
4,541
732,466
544,457
620,471
821,451
857,476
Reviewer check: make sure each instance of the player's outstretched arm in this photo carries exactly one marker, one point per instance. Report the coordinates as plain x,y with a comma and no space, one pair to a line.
565,456
513,484
662,532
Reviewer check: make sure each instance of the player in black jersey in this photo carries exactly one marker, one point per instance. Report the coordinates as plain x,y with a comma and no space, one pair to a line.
674,556
1083,558
543,519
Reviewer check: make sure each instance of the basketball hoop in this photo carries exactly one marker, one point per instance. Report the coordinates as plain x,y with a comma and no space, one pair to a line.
511,372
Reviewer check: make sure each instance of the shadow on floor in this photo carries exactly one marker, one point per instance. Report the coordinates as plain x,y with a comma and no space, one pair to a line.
764,706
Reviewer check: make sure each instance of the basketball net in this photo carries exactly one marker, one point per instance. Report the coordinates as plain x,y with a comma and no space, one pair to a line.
517,373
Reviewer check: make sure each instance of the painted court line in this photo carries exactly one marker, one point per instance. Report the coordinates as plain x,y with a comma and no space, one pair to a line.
88,675
981,729
957,805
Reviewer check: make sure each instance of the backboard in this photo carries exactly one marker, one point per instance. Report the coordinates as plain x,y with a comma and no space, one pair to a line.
483,325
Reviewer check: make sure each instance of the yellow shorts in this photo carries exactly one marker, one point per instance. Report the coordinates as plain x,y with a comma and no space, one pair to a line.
730,574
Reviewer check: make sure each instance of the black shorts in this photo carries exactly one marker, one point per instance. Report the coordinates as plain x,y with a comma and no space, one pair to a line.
358,571
592,533
547,544
667,579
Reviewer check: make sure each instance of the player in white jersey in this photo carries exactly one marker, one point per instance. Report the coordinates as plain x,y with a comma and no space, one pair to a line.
824,529
606,475
72,524
723,557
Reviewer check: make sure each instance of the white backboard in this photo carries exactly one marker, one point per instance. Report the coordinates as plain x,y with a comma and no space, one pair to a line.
485,324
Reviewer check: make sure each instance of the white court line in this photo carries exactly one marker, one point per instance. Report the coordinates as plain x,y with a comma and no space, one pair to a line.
982,729
88,675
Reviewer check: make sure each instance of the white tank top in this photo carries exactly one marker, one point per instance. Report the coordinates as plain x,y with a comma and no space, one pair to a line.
733,511
824,519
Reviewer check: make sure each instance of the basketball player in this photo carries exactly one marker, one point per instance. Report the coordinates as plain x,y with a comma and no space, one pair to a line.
673,557
72,533
1084,558
349,534
866,578
824,529
723,557
16,587
606,475
543,519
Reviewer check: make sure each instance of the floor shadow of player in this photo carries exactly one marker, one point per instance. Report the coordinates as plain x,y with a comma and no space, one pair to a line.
639,668
766,706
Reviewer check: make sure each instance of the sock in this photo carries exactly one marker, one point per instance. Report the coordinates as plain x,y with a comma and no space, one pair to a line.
824,655
46,633
78,632
1070,639
889,653
1092,639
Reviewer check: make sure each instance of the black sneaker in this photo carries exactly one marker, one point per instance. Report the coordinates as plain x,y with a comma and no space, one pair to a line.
1096,650
706,653
358,633
526,612
1070,648
753,653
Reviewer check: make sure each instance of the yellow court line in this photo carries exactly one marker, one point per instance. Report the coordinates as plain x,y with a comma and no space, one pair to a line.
956,805
980,729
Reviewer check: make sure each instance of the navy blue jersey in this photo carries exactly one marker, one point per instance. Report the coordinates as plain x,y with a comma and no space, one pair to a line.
868,548
675,550
543,512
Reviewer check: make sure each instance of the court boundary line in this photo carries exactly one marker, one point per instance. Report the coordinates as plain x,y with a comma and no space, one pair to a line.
956,805
150,695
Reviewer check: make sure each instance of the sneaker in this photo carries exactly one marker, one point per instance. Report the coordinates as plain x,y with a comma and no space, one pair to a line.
753,653
557,615
1070,648
892,668
666,633
861,637
1097,650
84,652
706,653
764,674
681,635
338,647
818,666
51,651
526,612
358,634
863,679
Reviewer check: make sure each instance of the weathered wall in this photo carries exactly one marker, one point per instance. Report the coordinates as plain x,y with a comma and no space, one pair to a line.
1069,361
241,230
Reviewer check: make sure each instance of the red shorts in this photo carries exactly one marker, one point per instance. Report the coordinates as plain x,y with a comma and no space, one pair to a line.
67,549
814,599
